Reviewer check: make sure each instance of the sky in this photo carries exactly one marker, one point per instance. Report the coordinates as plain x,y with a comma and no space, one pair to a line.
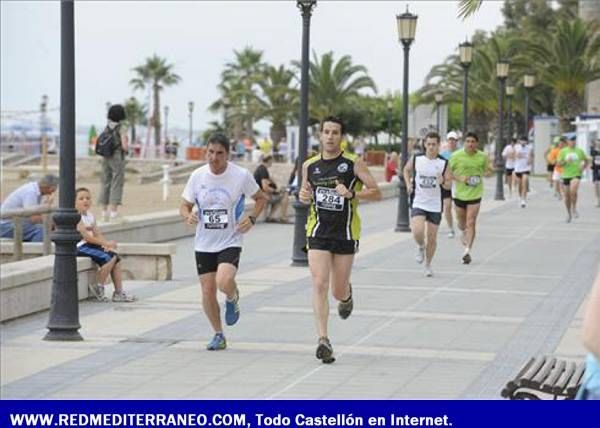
199,37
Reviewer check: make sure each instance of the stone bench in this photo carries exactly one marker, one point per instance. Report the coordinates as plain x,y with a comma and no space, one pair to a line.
140,261
26,286
545,377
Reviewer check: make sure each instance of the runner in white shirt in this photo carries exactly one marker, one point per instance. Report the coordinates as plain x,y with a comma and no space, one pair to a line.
427,174
218,190
509,161
523,162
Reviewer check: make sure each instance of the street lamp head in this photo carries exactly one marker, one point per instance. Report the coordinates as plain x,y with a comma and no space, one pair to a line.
166,109
439,97
191,106
465,50
510,90
306,6
529,81
502,67
44,99
407,27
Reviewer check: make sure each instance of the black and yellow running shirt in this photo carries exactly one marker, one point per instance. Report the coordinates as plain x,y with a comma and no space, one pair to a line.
332,216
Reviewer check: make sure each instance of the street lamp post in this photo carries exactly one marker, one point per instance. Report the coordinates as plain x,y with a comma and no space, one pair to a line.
43,136
166,108
510,92
299,257
407,26
439,97
390,104
63,321
466,57
529,83
501,73
191,111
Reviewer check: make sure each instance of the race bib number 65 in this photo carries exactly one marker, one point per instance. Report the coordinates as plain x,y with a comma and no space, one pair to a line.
215,219
328,199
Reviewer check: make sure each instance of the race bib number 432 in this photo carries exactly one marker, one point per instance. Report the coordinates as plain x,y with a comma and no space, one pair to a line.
215,219
328,199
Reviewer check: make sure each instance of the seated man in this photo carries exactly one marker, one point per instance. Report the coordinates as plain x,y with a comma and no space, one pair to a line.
277,198
29,195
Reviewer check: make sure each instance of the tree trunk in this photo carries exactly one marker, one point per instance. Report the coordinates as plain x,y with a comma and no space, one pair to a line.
156,114
277,132
567,106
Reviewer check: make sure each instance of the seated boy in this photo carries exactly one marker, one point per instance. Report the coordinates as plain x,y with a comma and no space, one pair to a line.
101,251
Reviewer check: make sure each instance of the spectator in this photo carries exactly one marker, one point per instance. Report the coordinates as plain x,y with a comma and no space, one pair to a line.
590,388
391,167
103,252
360,147
276,197
29,195
113,167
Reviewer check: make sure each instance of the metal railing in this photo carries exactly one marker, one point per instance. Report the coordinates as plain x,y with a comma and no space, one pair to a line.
17,217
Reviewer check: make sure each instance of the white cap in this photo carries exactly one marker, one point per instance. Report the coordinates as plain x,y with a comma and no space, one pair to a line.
452,134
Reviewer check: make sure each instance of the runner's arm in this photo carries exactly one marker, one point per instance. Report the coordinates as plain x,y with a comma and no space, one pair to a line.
447,183
489,168
305,194
407,173
259,203
371,190
185,210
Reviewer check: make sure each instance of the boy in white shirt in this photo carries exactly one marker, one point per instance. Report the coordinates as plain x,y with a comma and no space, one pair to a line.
94,245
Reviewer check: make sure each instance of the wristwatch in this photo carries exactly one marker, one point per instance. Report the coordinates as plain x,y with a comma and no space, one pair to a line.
353,194
252,219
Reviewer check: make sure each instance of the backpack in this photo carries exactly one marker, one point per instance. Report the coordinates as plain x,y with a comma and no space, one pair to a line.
108,141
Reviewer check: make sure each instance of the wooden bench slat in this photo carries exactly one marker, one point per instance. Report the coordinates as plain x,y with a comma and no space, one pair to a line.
543,373
550,381
575,380
512,384
530,374
560,385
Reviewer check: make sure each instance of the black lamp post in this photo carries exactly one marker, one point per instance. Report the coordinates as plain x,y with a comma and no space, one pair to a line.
407,26
439,97
43,136
166,108
191,116
63,322
529,83
390,105
501,73
510,93
299,257
466,57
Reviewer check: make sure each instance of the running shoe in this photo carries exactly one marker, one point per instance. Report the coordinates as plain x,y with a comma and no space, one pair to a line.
98,292
523,203
122,297
345,306
451,234
466,259
232,309
575,214
420,256
428,272
217,343
325,351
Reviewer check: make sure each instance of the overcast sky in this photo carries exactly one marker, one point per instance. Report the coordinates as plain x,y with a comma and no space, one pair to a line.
199,37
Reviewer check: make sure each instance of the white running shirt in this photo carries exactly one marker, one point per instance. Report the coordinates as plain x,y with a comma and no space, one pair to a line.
89,221
522,153
220,200
427,192
509,155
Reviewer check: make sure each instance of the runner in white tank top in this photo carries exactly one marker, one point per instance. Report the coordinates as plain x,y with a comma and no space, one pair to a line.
426,175
523,162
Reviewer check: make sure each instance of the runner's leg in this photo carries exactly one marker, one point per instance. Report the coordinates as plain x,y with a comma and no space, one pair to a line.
432,230
208,283
225,279
320,263
448,213
574,187
472,213
341,268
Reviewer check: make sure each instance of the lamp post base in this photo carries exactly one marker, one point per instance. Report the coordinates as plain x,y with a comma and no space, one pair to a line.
499,196
63,335
299,256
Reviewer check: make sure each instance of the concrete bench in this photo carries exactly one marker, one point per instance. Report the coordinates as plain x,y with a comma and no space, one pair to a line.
140,261
26,286
545,377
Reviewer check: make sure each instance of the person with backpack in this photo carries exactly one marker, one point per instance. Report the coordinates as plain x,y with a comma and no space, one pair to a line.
112,145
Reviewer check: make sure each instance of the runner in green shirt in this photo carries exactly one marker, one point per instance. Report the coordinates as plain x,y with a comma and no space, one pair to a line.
574,161
468,166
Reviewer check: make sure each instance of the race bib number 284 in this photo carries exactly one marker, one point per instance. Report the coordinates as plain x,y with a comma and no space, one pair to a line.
329,199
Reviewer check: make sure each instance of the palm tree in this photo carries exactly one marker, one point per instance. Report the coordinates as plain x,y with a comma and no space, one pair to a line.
333,85
279,101
156,74
239,85
566,59
467,8
136,114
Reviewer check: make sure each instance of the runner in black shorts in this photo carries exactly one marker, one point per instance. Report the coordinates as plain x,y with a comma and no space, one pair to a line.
332,183
219,190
